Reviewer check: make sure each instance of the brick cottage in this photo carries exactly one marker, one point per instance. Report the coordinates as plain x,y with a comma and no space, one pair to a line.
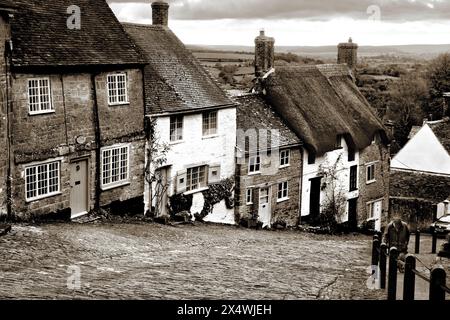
72,126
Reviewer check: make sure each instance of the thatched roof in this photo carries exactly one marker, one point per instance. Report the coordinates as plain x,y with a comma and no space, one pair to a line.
321,102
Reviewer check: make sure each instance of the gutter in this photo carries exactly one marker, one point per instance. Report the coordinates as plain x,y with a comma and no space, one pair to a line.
97,144
192,111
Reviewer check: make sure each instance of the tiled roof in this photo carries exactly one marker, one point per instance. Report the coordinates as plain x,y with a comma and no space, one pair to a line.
174,79
41,37
321,102
406,184
442,131
254,113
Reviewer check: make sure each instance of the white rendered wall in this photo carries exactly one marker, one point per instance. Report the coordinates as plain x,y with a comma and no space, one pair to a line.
343,174
196,150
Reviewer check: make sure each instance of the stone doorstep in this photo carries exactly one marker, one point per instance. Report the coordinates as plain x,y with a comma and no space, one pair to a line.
4,229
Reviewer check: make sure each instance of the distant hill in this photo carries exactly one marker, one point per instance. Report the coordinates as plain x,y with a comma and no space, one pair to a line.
425,52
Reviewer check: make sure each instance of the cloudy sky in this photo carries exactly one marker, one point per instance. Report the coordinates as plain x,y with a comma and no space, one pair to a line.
300,22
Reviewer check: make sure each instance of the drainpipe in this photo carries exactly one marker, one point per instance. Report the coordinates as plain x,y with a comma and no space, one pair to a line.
8,135
98,145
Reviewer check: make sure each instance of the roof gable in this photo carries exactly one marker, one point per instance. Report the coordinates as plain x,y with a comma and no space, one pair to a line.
424,152
41,37
174,79
322,102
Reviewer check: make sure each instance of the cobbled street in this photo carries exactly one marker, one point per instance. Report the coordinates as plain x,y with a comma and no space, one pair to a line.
149,261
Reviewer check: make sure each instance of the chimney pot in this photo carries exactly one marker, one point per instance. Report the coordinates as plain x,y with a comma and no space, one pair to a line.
160,13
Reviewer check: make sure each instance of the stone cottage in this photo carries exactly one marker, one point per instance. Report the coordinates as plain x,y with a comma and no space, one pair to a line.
420,175
72,110
345,152
193,120
269,166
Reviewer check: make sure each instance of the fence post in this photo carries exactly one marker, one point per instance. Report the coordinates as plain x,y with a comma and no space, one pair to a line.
437,279
409,283
417,249
392,278
383,255
434,241
375,248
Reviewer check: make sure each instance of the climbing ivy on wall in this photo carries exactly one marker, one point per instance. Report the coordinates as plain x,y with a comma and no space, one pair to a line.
215,194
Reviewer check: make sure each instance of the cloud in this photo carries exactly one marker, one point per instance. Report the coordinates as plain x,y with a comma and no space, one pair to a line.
389,10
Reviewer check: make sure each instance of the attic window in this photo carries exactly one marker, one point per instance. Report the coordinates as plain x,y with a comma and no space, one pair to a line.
311,158
117,89
39,96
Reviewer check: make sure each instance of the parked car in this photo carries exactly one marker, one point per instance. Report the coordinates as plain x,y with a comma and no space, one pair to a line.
442,226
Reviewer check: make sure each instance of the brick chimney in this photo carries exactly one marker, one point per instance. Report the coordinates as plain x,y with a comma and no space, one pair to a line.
348,54
160,13
264,54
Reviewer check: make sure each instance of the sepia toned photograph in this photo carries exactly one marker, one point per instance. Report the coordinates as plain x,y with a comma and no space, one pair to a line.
247,153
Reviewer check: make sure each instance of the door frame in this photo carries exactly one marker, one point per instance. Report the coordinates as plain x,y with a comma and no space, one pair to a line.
88,182
269,202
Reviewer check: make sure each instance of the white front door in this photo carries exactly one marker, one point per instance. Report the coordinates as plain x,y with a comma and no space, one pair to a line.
377,210
264,207
79,188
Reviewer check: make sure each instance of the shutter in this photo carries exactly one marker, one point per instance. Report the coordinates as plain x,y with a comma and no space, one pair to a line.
181,182
214,174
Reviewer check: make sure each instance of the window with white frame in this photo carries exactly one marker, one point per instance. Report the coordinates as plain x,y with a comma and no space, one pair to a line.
196,178
283,191
115,166
39,96
249,196
210,123
42,180
254,164
370,173
117,89
176,128
285,156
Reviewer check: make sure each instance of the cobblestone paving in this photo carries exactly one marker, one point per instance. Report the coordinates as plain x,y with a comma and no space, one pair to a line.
149,261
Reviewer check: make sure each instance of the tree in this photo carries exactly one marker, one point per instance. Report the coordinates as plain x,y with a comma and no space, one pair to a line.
156,157
439,82
409,96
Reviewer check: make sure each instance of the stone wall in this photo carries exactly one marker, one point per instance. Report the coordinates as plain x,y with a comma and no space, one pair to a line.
379,190
286,212
69,133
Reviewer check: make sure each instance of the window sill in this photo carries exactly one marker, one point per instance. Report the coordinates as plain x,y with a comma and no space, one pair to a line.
114,186
254,173
172,143
249,204
44,197
285,166
195,191
371,182
118,104
213,136
37,113
282,200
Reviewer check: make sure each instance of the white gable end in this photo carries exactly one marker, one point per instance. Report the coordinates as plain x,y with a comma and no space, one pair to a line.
423,152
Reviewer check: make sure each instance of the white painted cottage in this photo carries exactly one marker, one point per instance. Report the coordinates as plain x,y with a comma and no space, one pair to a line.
195,119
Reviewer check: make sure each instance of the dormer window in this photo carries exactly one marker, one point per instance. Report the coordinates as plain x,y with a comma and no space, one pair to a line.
39,96
117,89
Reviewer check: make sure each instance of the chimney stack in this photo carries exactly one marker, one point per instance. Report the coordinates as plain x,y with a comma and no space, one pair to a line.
348,54
160,13
264,54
